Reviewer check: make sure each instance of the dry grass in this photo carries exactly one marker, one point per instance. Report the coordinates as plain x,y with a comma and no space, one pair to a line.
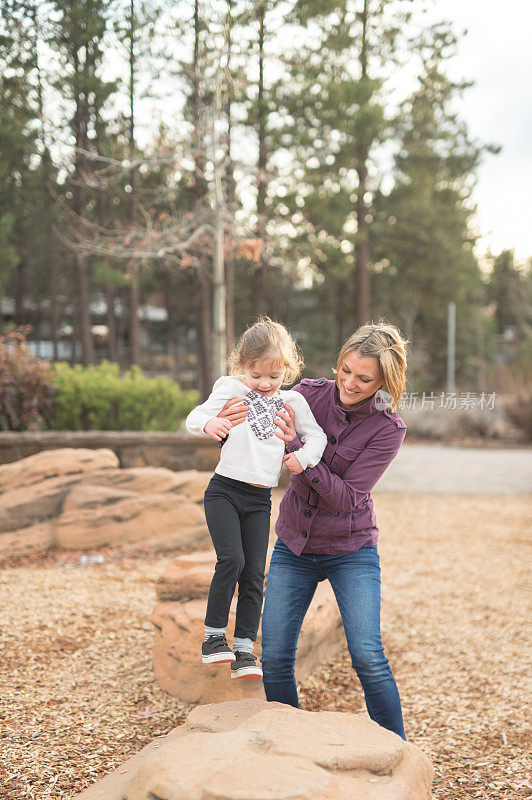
78,697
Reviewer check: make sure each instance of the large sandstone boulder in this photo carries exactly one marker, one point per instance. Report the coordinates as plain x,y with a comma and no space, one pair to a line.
179,622
24,506
188,577
81,499
253,750
51,463
187,483
114,517
36,538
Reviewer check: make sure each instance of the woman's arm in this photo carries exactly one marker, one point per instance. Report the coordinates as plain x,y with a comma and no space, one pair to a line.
343,494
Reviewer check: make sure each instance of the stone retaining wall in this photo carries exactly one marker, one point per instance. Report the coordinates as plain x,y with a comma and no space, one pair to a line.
177,451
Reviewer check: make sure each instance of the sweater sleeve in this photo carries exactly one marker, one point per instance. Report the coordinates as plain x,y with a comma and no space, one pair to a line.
343,494
223,390
310,437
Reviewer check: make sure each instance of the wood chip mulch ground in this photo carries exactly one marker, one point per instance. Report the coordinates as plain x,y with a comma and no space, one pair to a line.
77,695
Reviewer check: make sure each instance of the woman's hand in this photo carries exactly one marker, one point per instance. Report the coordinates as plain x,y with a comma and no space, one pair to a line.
234,411
285,422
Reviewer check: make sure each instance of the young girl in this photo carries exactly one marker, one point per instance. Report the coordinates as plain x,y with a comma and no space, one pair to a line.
237,499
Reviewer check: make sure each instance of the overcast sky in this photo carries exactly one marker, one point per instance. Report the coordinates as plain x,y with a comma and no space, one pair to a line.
496,54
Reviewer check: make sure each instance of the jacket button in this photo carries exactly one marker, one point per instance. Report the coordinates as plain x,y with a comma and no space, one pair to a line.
307,470
315,481
308,513
333,440
304,534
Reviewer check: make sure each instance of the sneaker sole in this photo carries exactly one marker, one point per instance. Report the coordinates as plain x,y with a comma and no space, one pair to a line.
247,672
218,658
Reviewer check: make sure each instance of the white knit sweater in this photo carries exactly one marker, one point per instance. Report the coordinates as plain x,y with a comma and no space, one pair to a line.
252,453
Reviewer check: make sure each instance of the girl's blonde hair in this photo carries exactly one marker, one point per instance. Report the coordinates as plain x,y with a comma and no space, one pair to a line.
385,343
267,340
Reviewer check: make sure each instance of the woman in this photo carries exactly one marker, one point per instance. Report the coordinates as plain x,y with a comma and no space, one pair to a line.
326,526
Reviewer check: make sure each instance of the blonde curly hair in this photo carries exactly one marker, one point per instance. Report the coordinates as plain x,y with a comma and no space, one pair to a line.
267,340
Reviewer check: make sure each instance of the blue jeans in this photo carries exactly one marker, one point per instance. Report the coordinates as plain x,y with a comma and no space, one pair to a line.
355,579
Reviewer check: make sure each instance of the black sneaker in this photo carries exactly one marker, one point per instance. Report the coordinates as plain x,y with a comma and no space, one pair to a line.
244,666
215,649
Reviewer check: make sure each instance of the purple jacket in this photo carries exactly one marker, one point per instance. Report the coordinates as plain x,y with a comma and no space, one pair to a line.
328,508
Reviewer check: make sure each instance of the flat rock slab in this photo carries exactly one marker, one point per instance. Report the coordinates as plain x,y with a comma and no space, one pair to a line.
254,750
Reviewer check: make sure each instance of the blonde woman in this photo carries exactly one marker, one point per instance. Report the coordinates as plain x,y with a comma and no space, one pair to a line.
326,526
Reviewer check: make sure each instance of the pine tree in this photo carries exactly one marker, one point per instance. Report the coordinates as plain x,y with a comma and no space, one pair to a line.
78,37
423,230
334,120
507,290
135,29
18,145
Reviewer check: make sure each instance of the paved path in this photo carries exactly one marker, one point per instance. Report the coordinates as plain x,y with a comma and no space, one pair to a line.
460,470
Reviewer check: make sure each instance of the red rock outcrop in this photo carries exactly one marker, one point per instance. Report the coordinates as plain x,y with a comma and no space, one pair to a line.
253,750
81,499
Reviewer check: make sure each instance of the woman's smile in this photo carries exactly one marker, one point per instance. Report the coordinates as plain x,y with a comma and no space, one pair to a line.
363,369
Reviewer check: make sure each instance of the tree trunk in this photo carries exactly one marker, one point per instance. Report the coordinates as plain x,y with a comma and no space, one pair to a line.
103,217
169,293
49,255
51,269
362,299
134,267
231,205
20,289
87,350
133,295
362,288
75,336
230,300
199,190
46,161
121,328
80,125
112,343
339,299
258,296
203,334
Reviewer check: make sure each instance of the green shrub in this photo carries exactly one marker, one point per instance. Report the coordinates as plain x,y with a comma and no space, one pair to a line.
99,398
26,386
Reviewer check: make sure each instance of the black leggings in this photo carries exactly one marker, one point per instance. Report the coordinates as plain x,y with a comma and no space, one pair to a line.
238,517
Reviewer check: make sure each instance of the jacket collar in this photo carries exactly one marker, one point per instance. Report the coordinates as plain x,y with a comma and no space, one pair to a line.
363,410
